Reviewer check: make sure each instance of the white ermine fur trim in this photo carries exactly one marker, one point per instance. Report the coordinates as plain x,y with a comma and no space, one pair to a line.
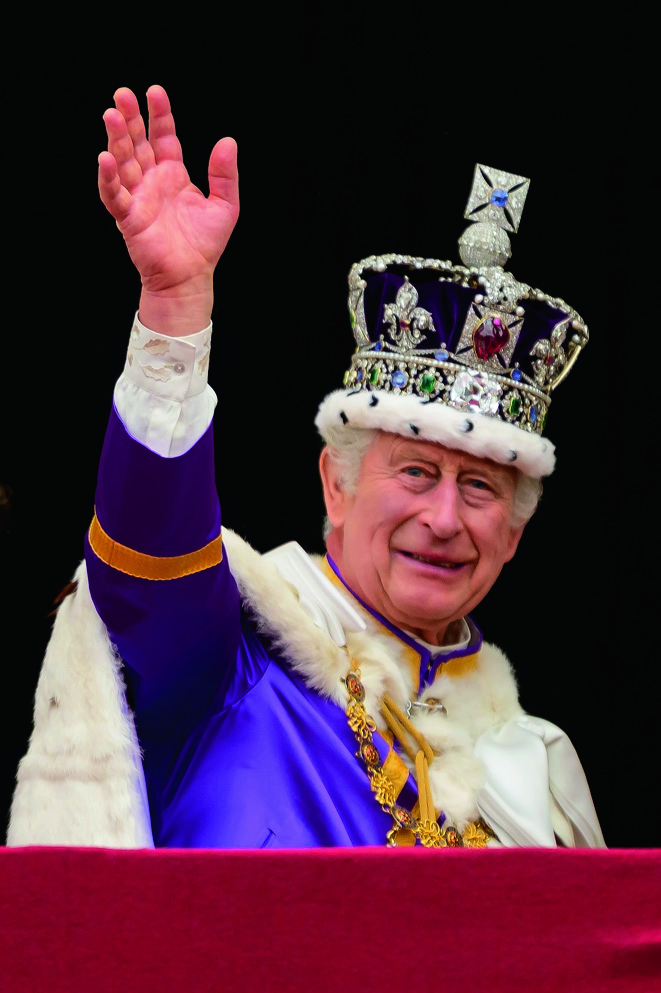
81,781
482,436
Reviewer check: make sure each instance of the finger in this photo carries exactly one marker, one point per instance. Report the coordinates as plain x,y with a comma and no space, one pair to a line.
114,196
126,103
162,135
223,172
120,146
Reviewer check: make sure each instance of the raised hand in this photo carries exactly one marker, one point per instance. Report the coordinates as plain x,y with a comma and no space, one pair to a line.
174,234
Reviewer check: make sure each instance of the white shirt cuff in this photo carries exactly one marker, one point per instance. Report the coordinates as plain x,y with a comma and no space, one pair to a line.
163,396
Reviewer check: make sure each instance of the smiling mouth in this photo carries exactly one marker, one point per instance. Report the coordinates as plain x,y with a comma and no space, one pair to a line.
434,560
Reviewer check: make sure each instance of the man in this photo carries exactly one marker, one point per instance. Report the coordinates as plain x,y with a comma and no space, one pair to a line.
281,702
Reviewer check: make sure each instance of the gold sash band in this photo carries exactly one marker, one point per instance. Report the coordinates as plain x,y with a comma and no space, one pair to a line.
142,566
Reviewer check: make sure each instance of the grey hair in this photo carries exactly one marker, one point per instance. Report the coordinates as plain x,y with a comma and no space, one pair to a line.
348,446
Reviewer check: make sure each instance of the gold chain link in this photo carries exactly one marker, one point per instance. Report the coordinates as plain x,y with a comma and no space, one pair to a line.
429,833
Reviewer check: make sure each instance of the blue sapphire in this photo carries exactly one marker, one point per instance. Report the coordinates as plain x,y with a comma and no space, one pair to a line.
441,355
532,414
378,345
359,375
516,374
499,197
399,378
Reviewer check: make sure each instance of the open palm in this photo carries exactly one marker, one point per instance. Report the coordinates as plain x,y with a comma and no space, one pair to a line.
174,234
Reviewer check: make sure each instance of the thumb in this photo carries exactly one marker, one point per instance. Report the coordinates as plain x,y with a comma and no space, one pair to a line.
223,173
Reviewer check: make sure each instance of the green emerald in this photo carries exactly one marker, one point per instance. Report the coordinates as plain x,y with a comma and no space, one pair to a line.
546,414
346,377
427,383
352,318
515,406
374,375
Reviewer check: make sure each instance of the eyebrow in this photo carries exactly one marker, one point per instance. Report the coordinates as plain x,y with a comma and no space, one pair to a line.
409,450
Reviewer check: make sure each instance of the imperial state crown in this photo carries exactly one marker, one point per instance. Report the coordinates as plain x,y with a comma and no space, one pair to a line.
463,355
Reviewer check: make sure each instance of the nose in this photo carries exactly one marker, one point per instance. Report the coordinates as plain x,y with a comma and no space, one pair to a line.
441,512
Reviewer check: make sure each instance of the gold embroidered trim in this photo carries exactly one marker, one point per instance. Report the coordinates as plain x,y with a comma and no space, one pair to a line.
408,829
143,566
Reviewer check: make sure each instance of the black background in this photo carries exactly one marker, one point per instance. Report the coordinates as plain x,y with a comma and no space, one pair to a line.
342,157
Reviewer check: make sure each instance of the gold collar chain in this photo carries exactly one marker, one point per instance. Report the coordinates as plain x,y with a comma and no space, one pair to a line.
408,829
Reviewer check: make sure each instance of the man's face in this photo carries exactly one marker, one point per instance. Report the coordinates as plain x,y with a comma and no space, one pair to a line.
425,535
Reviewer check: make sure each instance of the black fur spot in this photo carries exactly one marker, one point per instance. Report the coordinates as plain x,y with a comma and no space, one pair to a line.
414,429
353,393
512,456
373,401
467,425
345,419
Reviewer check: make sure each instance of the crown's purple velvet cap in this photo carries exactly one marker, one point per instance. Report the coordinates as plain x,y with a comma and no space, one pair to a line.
448,303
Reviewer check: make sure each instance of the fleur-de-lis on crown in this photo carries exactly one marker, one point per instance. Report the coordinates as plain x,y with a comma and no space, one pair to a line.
406,321
549,356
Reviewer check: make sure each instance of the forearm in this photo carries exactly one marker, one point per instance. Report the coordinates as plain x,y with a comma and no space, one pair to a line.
153,554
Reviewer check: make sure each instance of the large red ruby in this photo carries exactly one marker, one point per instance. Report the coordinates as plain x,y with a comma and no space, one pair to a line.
490,337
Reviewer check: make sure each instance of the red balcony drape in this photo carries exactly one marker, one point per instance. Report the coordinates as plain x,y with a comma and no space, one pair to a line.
347,920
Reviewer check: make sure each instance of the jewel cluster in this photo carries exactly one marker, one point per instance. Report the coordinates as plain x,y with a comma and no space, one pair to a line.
441,380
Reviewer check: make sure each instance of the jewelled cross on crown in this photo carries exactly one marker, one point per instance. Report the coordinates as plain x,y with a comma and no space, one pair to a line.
498,197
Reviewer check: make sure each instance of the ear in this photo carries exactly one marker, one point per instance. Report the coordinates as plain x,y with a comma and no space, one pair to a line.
514,539
335,497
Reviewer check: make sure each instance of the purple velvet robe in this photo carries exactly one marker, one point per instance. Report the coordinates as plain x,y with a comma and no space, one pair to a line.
238,751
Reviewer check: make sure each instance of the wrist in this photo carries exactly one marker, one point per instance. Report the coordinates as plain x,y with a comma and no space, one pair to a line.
179,310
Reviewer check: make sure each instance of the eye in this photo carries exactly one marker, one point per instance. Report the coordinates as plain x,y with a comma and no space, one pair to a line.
414,470
476,484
